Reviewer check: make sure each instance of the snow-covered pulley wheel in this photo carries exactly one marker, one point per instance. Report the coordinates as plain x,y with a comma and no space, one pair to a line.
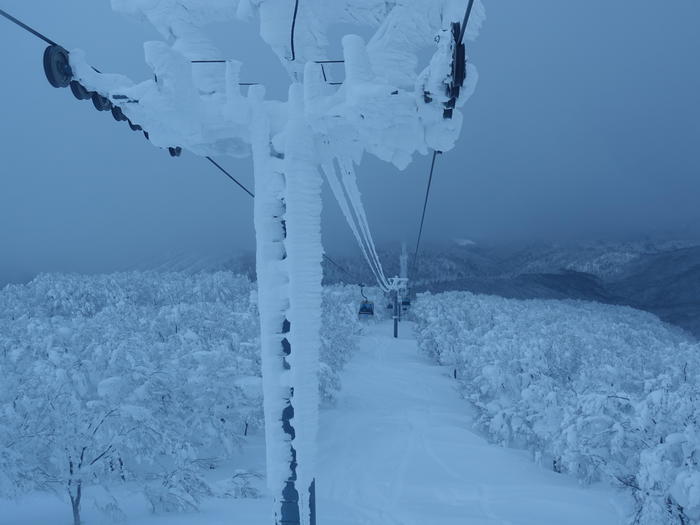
118,114
57,66
79,91
101,103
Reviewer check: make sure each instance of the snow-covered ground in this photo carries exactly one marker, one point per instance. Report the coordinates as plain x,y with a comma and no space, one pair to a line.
397,448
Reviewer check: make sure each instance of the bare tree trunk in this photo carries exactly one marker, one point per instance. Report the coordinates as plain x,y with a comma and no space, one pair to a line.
75,490
75,500
75,485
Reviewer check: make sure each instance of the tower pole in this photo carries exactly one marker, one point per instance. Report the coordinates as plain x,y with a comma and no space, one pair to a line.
288,264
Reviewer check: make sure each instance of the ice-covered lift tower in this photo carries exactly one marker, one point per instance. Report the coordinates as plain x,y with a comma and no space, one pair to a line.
389,105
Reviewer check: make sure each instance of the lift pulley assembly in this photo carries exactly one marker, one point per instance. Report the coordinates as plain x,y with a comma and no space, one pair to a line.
57,66
458,73
60,75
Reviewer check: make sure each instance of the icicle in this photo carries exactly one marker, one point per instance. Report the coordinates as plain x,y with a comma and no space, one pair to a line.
272,294
350,183
341,197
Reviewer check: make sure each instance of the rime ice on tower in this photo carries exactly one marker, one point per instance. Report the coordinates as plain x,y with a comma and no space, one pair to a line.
385,107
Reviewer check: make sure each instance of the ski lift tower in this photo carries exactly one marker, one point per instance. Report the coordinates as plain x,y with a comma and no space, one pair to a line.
403,265
398,287
197,102
403,261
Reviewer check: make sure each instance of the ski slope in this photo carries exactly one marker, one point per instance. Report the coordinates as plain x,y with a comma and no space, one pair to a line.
396,449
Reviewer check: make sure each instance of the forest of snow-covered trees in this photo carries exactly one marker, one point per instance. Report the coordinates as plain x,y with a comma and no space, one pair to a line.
179,389
601,392
148,382
139,380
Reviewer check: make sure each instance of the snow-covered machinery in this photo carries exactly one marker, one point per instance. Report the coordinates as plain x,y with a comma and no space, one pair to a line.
384,107
458,73
60,75
57,66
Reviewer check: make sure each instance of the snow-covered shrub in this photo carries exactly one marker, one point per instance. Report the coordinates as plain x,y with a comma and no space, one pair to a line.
602,392
339,332
179,490
134,378
240,485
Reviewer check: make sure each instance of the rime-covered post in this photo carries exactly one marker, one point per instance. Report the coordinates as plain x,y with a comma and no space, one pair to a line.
288,229
273,285
305,252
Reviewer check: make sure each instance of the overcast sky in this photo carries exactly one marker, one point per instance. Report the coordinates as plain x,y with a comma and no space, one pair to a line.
585,123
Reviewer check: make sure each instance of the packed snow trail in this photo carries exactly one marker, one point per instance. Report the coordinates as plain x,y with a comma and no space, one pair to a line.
398,449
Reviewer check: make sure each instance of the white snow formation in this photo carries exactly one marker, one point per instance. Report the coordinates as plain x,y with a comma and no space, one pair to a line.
387,106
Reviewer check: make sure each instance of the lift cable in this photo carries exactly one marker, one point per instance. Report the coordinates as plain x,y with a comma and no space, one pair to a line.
353,192
230,176
339,267
466,21
294,27
27,28
345,190
52,43
425,206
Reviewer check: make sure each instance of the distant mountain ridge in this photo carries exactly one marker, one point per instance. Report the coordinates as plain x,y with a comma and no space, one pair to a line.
662,277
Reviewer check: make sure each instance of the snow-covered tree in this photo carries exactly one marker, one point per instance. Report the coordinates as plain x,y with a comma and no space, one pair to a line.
96,393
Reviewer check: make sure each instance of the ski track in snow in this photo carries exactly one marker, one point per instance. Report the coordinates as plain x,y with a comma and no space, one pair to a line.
398,449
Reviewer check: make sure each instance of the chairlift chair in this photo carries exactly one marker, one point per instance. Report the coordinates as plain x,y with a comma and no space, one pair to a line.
366,309
366,306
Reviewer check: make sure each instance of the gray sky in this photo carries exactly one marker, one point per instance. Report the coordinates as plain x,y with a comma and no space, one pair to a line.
586,123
